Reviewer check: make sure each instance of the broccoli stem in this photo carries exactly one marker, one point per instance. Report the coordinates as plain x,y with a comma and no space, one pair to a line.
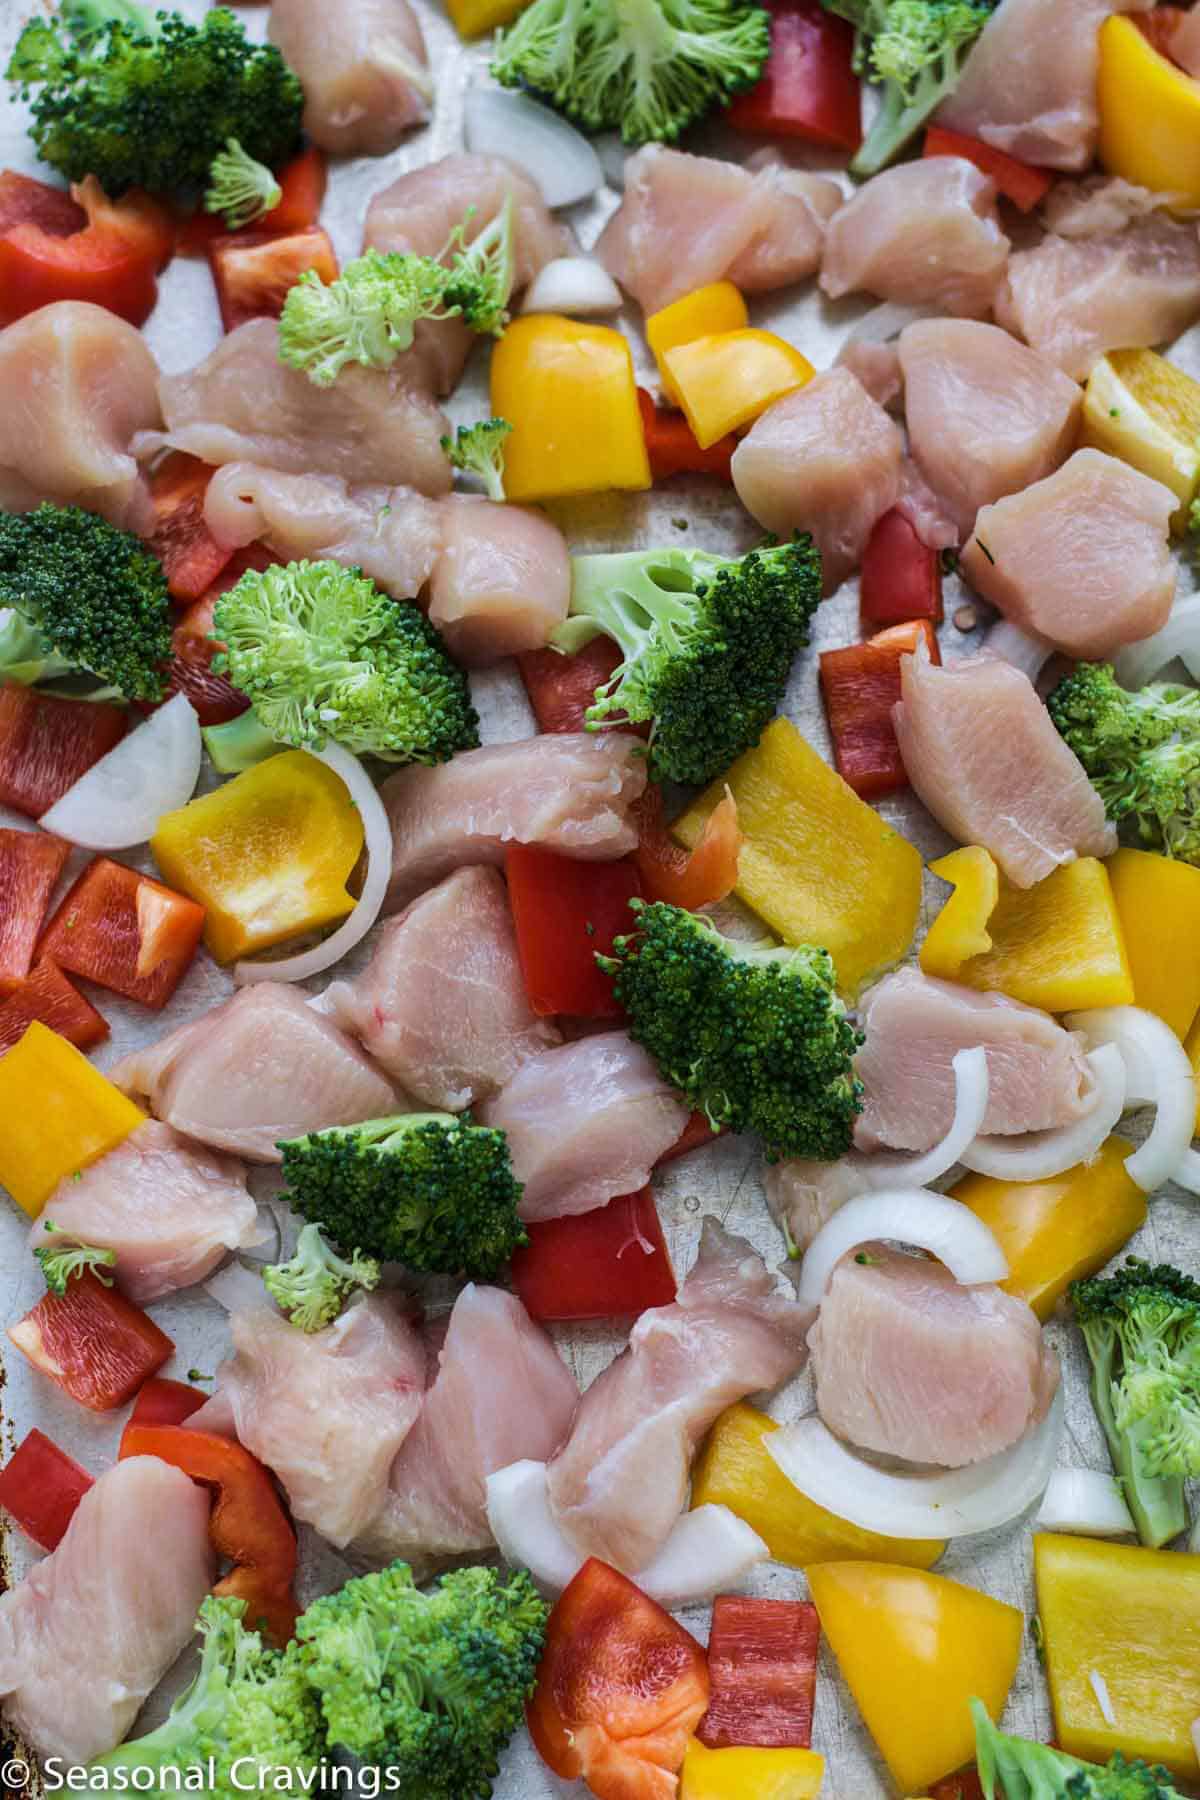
87,18
1156,1501
239,744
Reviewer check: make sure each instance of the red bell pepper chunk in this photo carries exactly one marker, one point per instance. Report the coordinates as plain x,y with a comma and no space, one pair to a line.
112,260
762,1662
561,688
30,865
47,995
695,1135
672,448
861,685
1019,182
190,671
94,1343
190,555
901,576
808,88
162,1402
125,931
609,1263
565,912
963,1786
905,638
302,191
255,271
40,1487
687,878
46,744
24,201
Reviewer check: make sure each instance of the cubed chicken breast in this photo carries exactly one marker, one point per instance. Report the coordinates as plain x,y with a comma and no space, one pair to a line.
1082,559
825,459
1099,206
981,752
928,514
366,83
877,366
95,1626
572,792
986,415
1185,41
441,1005
502,581
924,233
262,1067
620,1482
803,1196
910,1363
585,1122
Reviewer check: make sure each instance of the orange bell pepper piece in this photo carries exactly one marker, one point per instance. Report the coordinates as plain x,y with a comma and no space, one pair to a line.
725,381
716,307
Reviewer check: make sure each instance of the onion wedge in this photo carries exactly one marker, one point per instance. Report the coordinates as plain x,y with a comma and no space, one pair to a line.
1039,1155
1139,663
946,1228
1023,649
1158,1073
1086,1502
557,157
886,1168
575,285
120,800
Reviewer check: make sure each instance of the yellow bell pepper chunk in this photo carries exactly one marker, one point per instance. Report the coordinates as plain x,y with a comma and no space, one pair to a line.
727,380
471,18
59,1114
817,863
913,1648
267,854
1158,902
717,307
735,1470
1056,1232
1058,944
568,390
1192,1046
960,929
1146,410
750,1774
1131,1617
1149,114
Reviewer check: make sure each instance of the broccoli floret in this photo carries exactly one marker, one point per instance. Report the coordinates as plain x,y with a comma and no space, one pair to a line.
480,275
707,645
314,1285
321,653
1141,752
755,1038
241,189
649,68
88,18
429,1685
915,49
238,744
66,1257
1142,1331
479,450
152,106
431,1190
95,594
26,655
1015,1769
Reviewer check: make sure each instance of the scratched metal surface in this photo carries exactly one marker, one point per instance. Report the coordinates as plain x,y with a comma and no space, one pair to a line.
724,1180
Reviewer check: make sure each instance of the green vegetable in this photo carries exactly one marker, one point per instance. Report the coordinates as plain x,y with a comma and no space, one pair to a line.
755,1038
479,450
95,597
1141,752
67,1257
427,1189
430,1686
915,49
314,1285
707,643
242,189
238,744
1015,1769
1142,1331
321,653
141,102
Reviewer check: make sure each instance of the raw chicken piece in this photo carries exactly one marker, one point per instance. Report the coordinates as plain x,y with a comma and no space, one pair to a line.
915,1025
241,404
1075,298
924,233
261,1067
925,511
572,792
985,415
620,1481
502,581
910,1363
170,1210
585,1122
441,1005
1028,85
688,220
96,1625
1099,206
1185,41
327,1411
827,460
78,383
1082,559
366,83
501,1394
981,752
803,1196
878,368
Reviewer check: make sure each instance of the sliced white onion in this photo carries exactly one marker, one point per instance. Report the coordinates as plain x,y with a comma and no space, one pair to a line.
1087,1502
614,153
952,1503
1139,663
575,285
120,800
352,930
1039,1155
1158,1073
1186,1173
946,1228
238,1289
885,322
559,158
886,1168
1023,649
525,1530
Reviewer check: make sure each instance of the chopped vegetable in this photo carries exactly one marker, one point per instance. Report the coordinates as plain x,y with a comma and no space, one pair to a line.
313,1286
1149,114
479,450
30,865
762,1664
725,381
302,183
1158,904
40,1487
960,930
60,1114
750,1774
689,878
47,743
1146,410
561,688
242,189
1019,182
695,1135
125,931
860,684
48,996
566,912
716,307
92,1343
472,18
191,557
609,1263
254,272
1025,1770
162,1401
1088,1502
808,88
64,1258
112,259
1058,944
901,576
672,448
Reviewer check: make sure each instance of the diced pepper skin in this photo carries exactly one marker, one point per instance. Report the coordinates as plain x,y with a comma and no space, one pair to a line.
126,932
672,448
92,1342
472,18
717,307
960,930
302,183
1059,1231
24,201
726,380
1146,410
60,1114
566,913
30,865
111,260
609,1263
808,88
696,1134
1158,904
762,1664
46,744
1149,114
40,1487
901,577
48,996
561,688
1131,1616
1020,182
1058,944
191,557
860,685
162,1402
688,878
255,270
750,1774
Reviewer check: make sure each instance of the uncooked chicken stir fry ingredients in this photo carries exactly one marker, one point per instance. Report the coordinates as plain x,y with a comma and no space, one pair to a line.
600,898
